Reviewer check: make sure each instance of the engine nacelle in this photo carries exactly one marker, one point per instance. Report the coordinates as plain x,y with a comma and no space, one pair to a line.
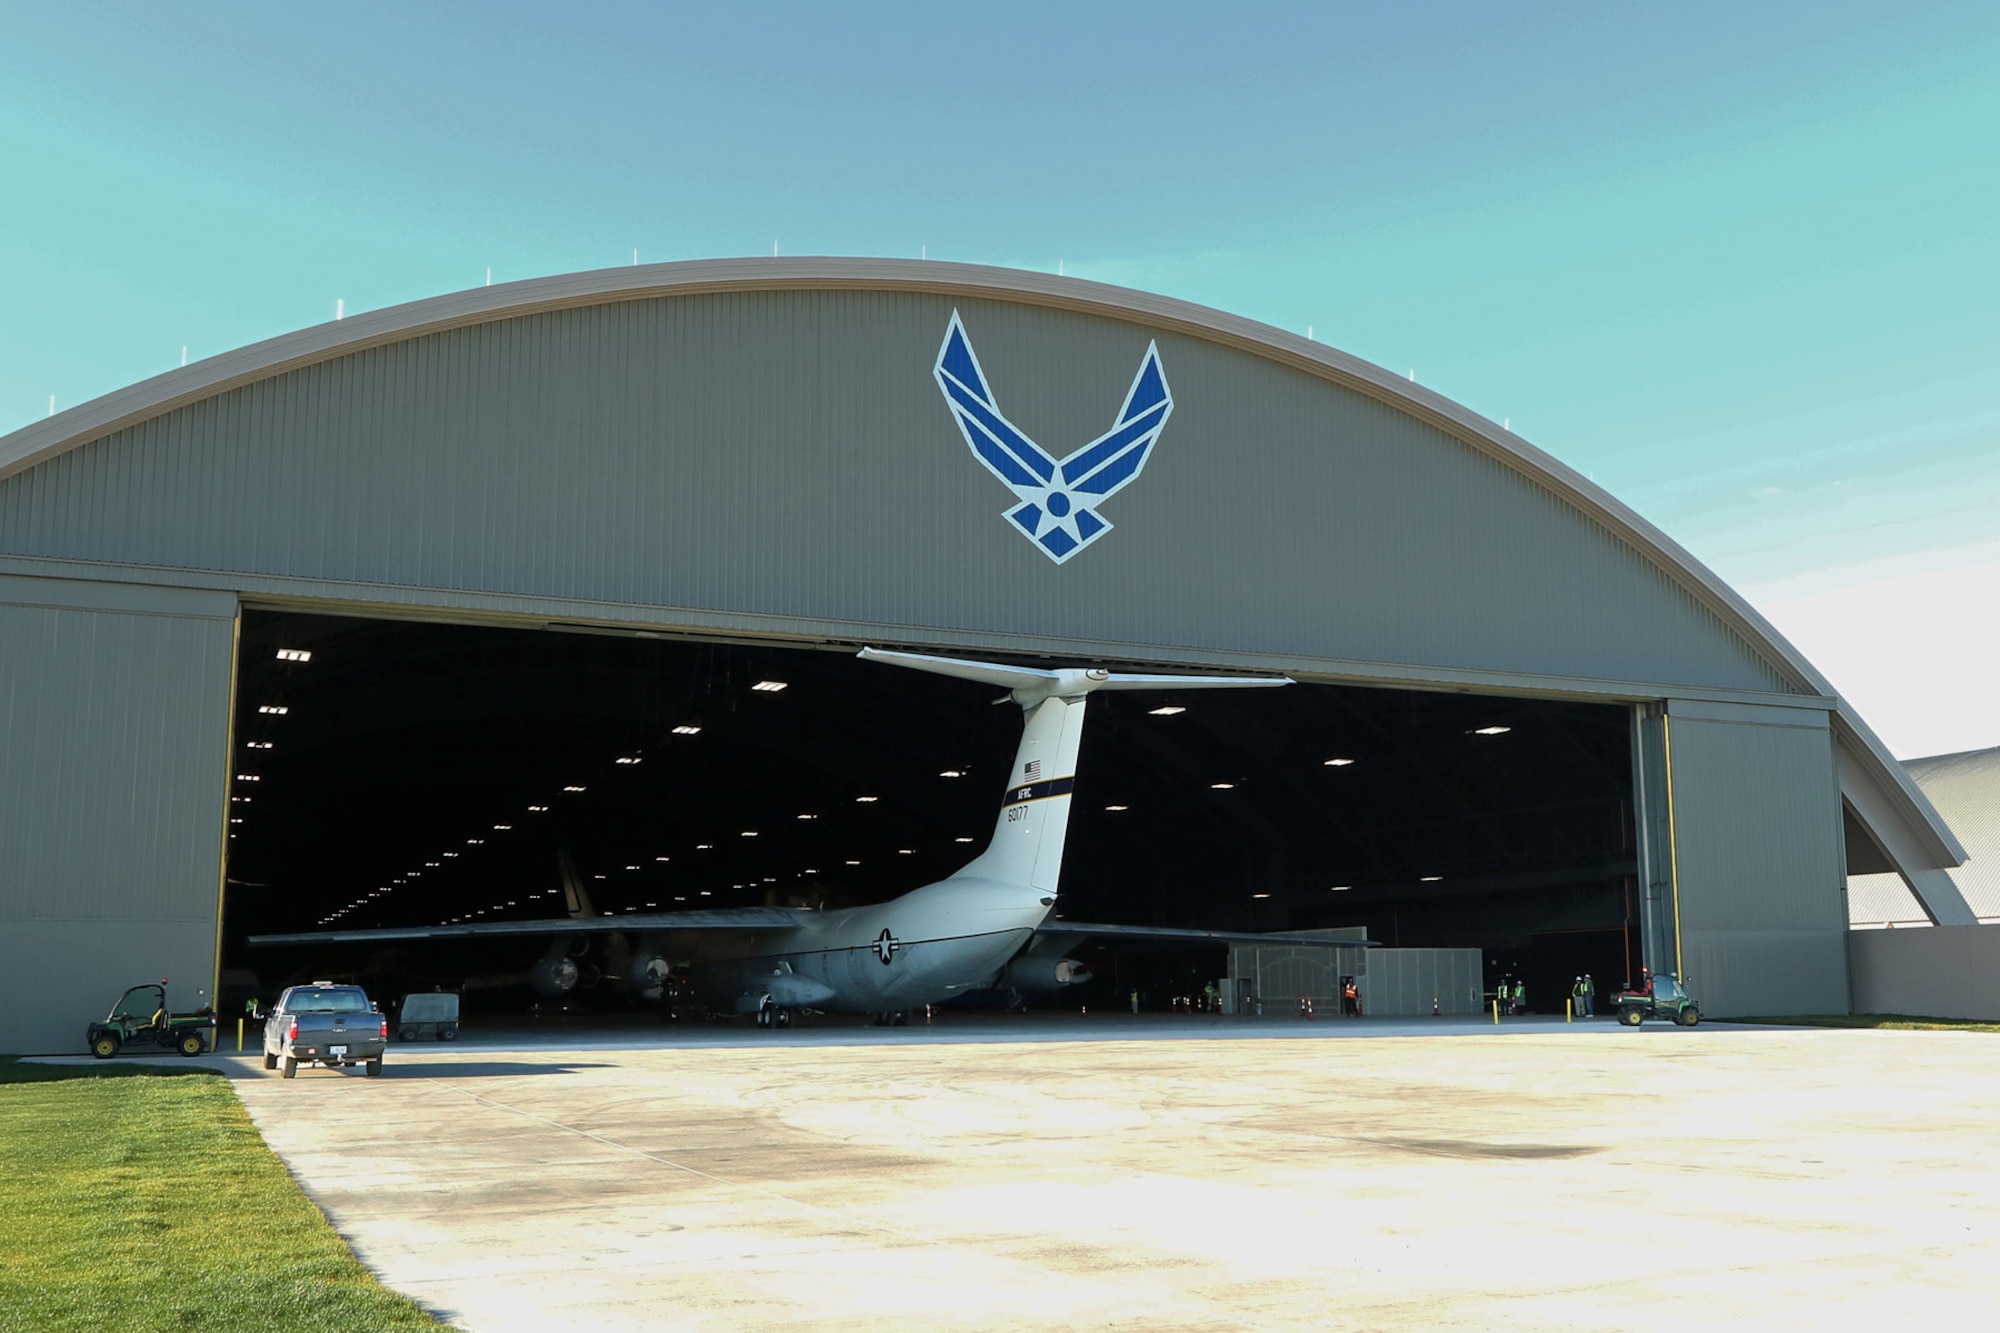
553,977
785,989
1044,974
646,972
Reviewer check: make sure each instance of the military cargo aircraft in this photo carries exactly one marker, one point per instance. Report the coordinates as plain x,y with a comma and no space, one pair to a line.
986,926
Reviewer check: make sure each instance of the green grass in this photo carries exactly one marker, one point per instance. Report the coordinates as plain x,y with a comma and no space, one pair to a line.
132,1201
1894,1022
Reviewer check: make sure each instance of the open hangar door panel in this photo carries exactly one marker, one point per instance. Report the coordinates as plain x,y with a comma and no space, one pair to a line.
393,773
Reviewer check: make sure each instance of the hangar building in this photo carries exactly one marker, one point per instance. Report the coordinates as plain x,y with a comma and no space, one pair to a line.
529,531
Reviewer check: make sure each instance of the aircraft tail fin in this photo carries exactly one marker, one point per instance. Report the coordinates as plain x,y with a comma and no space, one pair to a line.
1028,837
576,898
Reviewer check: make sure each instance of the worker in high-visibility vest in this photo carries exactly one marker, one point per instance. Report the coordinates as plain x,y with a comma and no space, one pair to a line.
1350,997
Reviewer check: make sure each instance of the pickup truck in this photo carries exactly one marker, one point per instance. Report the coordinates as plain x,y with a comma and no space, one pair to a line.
325,1024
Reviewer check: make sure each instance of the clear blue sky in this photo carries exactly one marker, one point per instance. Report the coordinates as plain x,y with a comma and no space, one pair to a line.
1740,262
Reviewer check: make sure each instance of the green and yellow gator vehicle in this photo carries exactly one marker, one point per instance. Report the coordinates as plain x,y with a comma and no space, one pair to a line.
140,1018
1662,996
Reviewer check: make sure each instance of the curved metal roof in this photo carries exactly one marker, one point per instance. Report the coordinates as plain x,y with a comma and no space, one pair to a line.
80,425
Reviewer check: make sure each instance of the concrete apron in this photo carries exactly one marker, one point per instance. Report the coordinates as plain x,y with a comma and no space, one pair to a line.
1666,1179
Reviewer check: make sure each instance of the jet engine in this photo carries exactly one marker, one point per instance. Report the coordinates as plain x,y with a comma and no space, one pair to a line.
646,973
1032,973
553,977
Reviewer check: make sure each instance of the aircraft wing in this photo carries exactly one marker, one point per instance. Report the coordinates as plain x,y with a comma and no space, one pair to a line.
1172,933
718,918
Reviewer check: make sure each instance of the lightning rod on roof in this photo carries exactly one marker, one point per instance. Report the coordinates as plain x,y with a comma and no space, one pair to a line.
340,307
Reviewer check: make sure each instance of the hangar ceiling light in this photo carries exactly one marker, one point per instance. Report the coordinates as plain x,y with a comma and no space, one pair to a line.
294,655
685,730
1222,786
573,787
1429,879
1342,888
749,833
769,686
258,745
274,710
248,777
628,759
854,863
1260,895
952,773
1338,763
808,816
866,800
538,809
1494,730
1167,710
1115,808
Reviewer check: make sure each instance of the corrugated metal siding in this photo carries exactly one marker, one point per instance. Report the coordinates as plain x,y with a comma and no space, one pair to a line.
1945,972
1403,983
113,754
1758,862
787,454
1965,788
1882,900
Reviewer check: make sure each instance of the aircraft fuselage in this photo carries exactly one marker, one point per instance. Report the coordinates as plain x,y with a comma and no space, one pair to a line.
922,948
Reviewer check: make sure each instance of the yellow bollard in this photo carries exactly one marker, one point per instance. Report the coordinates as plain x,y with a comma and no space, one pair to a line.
1569,1011
239,1036
1496,1013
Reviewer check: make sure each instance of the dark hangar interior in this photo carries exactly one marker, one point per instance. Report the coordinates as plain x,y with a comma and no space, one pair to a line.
390,772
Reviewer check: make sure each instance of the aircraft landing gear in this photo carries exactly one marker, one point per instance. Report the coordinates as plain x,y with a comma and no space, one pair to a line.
892,1018
771,1016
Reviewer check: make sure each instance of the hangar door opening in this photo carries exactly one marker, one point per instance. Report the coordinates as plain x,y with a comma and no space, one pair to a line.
396,773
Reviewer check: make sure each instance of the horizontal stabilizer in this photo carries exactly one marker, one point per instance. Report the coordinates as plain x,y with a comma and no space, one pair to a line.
721,918
986,673
1170,933
1032,684
1126,680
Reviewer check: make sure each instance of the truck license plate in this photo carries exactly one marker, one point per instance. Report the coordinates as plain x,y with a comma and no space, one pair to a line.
336,1051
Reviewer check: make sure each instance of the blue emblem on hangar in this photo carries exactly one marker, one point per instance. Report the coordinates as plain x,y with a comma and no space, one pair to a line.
1058,497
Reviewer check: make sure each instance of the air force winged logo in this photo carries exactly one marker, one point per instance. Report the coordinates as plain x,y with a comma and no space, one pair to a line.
1059,498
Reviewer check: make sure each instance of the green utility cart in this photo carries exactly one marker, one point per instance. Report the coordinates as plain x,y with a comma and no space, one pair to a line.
140,1018
1664,997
